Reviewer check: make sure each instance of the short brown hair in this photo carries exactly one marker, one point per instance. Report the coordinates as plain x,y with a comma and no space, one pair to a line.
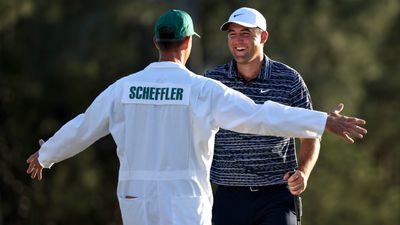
166,42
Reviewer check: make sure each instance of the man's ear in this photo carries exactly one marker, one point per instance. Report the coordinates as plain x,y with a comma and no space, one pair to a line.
186,41
264,37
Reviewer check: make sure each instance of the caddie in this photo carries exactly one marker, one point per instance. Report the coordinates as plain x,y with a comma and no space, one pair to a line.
165,141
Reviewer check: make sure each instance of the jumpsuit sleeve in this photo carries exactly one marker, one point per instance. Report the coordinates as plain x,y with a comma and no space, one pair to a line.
80,132
234,111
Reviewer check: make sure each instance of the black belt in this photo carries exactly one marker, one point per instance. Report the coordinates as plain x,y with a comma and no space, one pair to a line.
253,188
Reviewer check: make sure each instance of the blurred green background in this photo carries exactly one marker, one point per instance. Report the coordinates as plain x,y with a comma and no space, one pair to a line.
56,56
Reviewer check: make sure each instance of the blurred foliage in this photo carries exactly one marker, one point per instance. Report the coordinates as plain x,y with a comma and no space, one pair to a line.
56,56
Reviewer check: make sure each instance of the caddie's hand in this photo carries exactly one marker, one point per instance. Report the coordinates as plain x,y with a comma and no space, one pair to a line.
297,182
35,169
346,127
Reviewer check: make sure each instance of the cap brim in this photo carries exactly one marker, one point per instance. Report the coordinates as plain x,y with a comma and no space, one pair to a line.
196,34
225,26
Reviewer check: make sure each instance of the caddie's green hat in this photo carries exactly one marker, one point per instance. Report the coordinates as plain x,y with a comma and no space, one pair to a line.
174,25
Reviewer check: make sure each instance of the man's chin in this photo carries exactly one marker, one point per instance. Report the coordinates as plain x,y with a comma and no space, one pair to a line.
239,56
241,59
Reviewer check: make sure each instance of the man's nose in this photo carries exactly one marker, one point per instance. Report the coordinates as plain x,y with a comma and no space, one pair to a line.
237,39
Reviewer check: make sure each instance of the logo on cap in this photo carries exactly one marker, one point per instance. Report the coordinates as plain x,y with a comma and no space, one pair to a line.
238,14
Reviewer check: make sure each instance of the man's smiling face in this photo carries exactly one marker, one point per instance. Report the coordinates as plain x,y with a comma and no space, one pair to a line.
246,44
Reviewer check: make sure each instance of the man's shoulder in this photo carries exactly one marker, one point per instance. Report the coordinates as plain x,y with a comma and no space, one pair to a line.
220,70
282,70
280,67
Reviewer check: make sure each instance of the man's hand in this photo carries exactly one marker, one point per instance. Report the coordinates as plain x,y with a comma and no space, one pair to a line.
35,169
346,127
297,182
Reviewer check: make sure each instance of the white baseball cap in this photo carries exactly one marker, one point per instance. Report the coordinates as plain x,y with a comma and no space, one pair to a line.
247,17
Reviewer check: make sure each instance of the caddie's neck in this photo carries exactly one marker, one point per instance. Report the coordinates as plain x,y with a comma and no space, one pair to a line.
176,56
179,54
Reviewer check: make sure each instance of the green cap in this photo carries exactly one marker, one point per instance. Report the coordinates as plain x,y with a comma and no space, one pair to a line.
174,25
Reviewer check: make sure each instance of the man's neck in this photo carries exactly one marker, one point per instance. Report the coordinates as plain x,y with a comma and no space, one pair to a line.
250,70
177,57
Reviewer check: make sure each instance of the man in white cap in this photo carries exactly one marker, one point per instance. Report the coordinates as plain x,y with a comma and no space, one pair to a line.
252,171
163,120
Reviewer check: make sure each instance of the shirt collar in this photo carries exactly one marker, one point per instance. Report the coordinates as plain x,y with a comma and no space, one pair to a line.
168,64
264,73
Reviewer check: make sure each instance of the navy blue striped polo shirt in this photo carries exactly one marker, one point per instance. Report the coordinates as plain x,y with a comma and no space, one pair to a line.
253,160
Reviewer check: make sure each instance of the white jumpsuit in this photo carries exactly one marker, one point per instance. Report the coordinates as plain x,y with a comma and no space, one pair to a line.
163,120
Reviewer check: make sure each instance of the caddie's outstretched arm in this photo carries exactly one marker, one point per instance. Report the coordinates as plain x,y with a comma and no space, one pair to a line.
234,111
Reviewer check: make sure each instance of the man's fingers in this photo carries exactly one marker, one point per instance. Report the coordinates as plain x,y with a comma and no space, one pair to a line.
40,174
351,129
354,120
294,177
32,157
346,127
34,168
33,174
30,168
37,174
296,186
360,130
356,131
360,121
296,190
286,177
29,160
347,137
